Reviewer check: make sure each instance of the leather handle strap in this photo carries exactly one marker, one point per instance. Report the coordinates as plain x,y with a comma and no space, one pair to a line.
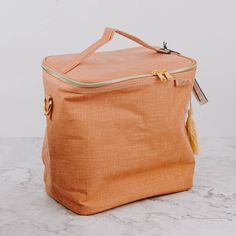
199,94
107,36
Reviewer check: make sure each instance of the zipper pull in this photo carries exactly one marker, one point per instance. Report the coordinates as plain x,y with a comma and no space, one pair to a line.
163,75
159,74
167,75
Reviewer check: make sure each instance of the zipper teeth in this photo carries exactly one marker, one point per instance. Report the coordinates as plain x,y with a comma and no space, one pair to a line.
112,81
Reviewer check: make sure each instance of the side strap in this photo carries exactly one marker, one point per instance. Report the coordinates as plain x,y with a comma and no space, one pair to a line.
198,93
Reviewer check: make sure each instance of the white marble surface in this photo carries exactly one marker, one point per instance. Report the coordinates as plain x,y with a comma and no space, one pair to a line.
208,209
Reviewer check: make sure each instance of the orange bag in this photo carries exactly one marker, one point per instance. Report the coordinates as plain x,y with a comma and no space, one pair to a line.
116,125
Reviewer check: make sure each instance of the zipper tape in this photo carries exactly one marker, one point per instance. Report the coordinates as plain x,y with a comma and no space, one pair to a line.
200,96
112,81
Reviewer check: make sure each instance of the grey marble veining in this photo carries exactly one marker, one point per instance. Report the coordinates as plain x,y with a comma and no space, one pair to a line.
209,208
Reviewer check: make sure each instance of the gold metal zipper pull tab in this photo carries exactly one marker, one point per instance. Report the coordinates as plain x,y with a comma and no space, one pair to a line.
159,74
167,75
163,75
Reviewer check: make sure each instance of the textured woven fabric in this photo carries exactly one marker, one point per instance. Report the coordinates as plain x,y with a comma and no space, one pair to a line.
109,146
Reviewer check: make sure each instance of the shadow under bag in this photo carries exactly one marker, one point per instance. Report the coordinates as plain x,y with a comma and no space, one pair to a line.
117,126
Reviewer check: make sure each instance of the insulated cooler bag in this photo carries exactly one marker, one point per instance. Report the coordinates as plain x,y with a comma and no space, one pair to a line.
116,125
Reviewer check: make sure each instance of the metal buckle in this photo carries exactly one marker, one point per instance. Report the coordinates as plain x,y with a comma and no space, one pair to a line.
168,51
47,107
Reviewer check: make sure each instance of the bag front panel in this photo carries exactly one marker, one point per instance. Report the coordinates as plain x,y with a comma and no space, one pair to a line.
113,146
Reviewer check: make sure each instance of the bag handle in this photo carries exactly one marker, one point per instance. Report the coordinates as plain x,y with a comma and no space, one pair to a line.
107,36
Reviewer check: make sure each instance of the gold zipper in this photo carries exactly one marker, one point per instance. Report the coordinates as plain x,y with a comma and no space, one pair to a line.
163,75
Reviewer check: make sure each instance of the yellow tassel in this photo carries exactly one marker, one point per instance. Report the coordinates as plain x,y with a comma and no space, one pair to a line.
191,131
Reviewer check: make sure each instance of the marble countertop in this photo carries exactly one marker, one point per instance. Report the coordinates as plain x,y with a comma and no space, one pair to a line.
209,208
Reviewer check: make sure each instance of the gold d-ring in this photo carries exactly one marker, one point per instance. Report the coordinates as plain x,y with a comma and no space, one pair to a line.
47,107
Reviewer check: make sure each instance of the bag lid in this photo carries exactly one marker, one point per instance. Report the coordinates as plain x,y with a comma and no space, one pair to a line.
91,66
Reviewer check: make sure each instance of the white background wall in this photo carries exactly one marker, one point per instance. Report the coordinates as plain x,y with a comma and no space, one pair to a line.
30,30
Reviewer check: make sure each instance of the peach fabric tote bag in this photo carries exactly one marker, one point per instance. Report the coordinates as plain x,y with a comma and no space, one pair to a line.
117,127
